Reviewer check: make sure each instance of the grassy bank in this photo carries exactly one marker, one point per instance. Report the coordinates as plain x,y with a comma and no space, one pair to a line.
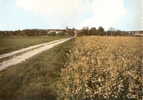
11,43
103,68
34,79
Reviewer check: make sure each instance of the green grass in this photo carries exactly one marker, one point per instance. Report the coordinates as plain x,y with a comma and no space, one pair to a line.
11,43
36,78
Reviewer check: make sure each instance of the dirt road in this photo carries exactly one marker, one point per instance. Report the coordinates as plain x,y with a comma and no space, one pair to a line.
26,53
26,49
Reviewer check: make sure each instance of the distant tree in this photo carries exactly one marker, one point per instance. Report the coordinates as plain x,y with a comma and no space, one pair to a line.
93,31
118,32
84,31
114,32
101,31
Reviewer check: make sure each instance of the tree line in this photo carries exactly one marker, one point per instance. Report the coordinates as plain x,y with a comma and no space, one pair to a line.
101,31
68,31
31,32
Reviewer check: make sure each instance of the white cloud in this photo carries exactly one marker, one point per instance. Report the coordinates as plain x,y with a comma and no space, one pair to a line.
106,13
53,7
66,12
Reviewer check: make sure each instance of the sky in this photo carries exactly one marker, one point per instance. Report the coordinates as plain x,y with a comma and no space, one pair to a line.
46,14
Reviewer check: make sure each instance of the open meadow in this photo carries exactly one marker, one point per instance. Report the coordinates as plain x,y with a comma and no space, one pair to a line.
85,68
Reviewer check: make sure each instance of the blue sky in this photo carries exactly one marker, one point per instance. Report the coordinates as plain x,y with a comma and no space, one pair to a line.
43,14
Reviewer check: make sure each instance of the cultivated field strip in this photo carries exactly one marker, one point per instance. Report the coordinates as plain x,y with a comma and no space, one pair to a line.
24,56
103,68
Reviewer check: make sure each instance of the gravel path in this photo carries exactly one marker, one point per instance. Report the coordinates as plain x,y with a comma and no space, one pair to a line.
28,53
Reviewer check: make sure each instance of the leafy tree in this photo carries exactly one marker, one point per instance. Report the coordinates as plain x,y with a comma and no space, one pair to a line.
84,31
92,31
101,30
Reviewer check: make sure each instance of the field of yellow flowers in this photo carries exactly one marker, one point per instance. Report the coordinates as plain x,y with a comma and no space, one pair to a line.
103,68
